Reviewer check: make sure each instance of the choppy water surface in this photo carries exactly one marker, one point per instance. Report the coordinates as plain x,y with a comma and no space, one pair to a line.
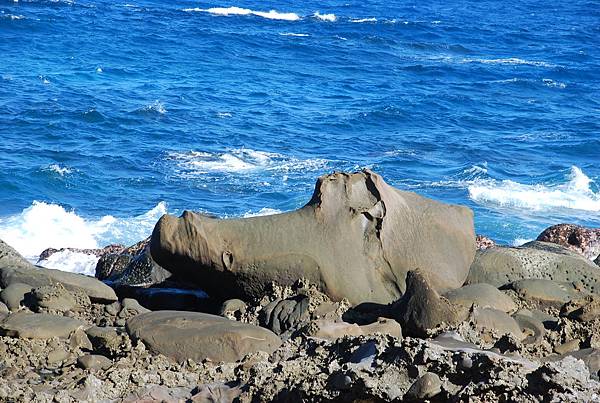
113,113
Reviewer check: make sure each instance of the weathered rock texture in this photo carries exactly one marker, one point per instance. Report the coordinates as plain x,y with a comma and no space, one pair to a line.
356,239
575,237
538,260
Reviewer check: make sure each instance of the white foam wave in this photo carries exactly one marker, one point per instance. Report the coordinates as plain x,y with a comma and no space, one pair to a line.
362,20
520,241
508,61
156,106
98,69
325,17
292,34
576,194
240,160
224,114
56,168
554,84
262,212
222,11
74,262
44,225
12,16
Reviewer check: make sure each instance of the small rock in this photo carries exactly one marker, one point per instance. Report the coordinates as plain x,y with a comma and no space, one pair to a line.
57,355
53,297
544,292
94,361
532,328
130,307
14,295
340,381
421,308
567,347
584,309
80,340
493,319
113,309
233,308
483,242
216,392
4,308
426,387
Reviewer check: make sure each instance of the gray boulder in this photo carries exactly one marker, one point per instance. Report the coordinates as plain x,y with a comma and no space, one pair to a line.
545,292
537,260
38,326
482,295
356,238
14,295
199,336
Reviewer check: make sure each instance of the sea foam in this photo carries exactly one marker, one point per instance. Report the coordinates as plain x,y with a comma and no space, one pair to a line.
325,17
575,194
242,160
222,11
43,225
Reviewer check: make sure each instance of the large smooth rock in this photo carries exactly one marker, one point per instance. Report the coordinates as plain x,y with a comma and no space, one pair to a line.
545,292
498,321
421,308
537,260
574,237
38,325
198,336
356,239
16,269
482,295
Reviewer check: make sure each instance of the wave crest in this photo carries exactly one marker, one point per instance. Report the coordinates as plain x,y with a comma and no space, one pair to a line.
575,194
227,11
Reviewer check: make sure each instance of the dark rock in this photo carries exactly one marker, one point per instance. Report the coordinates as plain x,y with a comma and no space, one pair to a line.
356,239
99,252
112,264
575,237
421,308
199,336
534,260
282,315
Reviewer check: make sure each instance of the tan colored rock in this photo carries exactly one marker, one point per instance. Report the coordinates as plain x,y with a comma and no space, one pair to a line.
325,329
38,326
494,320
199,336
356,238
545,292
14,295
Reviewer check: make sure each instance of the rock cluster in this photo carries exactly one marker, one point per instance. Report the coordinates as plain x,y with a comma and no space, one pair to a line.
375,295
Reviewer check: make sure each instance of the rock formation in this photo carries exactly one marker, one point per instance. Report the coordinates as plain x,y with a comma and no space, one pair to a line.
356,239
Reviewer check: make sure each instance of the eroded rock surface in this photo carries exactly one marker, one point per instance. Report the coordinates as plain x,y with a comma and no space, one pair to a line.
356,239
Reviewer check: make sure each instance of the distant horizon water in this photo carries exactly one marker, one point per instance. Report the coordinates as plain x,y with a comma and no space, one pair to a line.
235,109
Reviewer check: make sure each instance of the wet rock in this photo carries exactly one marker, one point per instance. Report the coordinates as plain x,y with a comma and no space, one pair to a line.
426,387
482,295
198,336
421,308
538,260
585,241
494,320
545,292
14,295
356,238
94,361
112,264
114,248
38,325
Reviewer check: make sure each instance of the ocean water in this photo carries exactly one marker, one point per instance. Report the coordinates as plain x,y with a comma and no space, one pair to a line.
113,113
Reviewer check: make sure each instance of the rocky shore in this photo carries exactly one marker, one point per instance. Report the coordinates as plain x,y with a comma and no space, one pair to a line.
367,293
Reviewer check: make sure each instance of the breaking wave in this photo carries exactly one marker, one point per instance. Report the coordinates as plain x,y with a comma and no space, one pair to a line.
227,11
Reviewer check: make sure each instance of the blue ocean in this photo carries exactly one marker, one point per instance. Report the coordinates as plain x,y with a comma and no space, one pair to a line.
113,113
